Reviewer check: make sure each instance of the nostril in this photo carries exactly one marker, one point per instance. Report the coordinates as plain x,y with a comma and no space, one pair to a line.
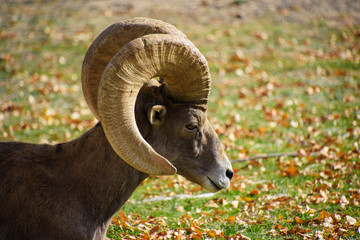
229,174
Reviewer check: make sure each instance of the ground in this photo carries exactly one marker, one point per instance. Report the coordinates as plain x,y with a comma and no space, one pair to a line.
285,79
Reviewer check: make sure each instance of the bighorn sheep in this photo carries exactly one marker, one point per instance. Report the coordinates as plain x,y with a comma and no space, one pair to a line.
146,126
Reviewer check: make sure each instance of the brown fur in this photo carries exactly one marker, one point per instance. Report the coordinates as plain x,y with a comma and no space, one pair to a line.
66,191
72,190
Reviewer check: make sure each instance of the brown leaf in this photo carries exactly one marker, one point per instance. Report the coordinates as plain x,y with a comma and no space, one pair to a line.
154,229
322,216
238,56
261,35
340,72
282,230
299,220
270,186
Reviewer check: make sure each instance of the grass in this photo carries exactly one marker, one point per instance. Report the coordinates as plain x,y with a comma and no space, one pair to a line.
277,87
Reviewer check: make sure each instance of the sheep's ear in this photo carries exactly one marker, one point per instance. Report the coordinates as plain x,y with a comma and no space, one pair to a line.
156,115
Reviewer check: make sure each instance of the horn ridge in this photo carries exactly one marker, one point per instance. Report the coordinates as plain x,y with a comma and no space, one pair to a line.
162,55
107,44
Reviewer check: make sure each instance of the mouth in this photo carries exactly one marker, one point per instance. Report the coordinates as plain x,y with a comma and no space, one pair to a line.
216,186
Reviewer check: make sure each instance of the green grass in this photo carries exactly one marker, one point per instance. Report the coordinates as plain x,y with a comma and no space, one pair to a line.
295,87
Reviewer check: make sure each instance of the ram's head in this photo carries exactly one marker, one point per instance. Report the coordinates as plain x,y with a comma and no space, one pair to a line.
168,132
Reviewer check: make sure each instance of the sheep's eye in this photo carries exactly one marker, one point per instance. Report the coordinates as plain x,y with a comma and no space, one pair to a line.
191,127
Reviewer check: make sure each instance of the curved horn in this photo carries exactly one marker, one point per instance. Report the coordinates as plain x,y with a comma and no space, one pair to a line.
186,74
107,44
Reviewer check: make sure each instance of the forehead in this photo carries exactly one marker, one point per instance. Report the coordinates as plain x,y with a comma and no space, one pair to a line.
189,112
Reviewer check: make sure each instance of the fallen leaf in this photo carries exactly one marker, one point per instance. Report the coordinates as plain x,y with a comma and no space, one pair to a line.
235,204
211,204
255,191
247,199
230,219
154,229
350,220
322,216
290,171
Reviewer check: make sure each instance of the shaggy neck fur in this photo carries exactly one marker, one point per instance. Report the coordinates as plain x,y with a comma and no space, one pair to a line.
86,174
69,190
108,179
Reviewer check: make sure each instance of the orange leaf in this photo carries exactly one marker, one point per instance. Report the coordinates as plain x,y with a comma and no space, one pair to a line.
214,233
322,215
291,171
299,220
255,191
280,217
196,235
123,216
211,233
278,226
230,219
262,130
270,186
